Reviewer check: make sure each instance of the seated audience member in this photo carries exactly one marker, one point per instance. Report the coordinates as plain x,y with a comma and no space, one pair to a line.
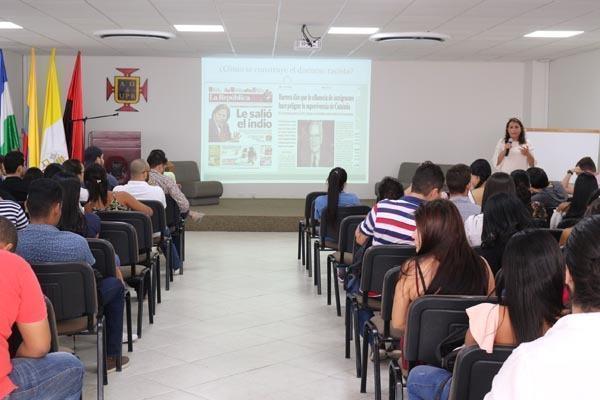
8,235
444,264
570,345
458,180
41,241
534,273
14,213
52,169
157,160
480,172
170,171
138,186
389,189
75,167
585,186
393,221
72,217
94,155
335,197
522,186
33,373
592,209
497,183
585,165
13,183
503,216
102,199
549,194
32,174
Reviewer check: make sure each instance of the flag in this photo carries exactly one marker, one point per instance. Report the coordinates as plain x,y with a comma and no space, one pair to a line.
9,134
74,133
54,146
31,139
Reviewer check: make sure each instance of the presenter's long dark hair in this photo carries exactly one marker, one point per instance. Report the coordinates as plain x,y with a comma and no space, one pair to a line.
96,183
533,275
335,185
521,135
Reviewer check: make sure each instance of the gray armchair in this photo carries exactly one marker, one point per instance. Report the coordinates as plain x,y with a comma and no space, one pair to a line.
198,193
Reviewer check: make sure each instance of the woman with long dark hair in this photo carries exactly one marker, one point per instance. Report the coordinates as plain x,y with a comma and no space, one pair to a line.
499,182
72,217
480,172
335,197
585,187
533,272
514,151
445,262
522,186
503,216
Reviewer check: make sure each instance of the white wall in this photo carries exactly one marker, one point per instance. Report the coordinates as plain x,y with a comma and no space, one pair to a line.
574,95
447,112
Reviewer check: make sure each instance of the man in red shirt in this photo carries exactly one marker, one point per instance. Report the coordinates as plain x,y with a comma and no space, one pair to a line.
33,373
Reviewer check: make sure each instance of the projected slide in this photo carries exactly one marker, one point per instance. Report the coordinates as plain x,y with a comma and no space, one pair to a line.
284,120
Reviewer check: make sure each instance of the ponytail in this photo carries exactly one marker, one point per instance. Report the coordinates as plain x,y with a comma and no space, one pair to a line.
335,184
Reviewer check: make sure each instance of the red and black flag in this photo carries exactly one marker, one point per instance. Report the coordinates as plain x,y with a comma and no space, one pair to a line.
74,111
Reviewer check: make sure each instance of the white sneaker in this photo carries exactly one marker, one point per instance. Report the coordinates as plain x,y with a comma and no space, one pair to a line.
134,337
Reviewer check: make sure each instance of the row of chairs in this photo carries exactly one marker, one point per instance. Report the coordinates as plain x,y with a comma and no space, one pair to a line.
71,287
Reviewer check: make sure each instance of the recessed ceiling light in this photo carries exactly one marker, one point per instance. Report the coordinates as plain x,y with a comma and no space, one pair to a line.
9,25
393,36
199,28
133,33
350,30
553,34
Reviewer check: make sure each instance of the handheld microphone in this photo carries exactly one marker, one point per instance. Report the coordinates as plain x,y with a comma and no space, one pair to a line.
508,150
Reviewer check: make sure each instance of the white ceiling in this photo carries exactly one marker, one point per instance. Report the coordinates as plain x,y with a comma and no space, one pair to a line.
480,29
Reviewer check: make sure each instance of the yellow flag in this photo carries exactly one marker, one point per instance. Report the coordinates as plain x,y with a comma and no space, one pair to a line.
33,129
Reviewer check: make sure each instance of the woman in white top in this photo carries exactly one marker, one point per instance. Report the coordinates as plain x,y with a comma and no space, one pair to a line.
514,151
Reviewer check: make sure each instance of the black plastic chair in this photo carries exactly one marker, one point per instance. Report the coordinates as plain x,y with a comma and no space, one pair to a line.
104,254
15,339
343,257
430,320
328,237
159,227
71,288
176,225
123,237
377,261
306,223
474,371
379,330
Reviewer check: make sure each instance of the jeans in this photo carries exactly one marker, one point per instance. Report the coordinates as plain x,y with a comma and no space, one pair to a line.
57,376
113,302
428,383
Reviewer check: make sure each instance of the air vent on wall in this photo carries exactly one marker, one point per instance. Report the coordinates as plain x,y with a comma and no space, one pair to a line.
388,36
131,33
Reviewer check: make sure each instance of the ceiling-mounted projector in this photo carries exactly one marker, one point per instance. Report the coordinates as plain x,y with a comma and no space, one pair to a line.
132,33
388,36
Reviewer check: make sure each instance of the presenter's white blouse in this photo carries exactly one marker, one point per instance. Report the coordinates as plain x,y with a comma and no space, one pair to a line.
562,364
514,160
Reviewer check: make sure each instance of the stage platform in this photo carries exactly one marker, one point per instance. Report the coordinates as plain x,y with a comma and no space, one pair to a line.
252,215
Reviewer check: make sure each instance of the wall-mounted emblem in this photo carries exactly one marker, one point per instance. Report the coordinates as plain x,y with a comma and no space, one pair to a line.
126,89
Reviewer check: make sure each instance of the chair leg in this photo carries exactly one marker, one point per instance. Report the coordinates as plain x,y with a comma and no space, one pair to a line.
365,359
167,265
396,383
376,364
102,378
140,298
158,290
299,237
348,320
356,339
329,268
182,241
336,287
308,254
317,266
303,246
150,296
180,233
128,317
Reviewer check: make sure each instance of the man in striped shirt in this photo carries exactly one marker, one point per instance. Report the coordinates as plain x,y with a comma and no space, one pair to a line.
14,213
393,221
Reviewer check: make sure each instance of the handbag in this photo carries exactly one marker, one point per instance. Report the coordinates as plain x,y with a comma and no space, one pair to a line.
447,351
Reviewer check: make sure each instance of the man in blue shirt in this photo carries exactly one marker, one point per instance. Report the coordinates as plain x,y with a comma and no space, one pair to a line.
41,241
458,179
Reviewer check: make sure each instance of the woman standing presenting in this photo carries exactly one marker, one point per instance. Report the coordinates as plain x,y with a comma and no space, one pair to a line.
514,151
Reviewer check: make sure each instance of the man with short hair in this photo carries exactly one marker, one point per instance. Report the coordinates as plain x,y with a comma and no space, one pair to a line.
138,186
571,344
393,221
14,213
14,165
94,155
584,166
458,180
548,194
8,235
41,242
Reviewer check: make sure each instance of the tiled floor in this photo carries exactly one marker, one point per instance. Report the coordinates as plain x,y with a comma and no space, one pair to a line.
243,322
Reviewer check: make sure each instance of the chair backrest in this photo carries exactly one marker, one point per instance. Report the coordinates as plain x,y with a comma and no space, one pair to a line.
556,233
430,320
474,371
70,287
342,212
172,212
104,253
377,261
309,205
52,325
123,238
186,171
390,279
159,219
346,234
140,222
568,222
